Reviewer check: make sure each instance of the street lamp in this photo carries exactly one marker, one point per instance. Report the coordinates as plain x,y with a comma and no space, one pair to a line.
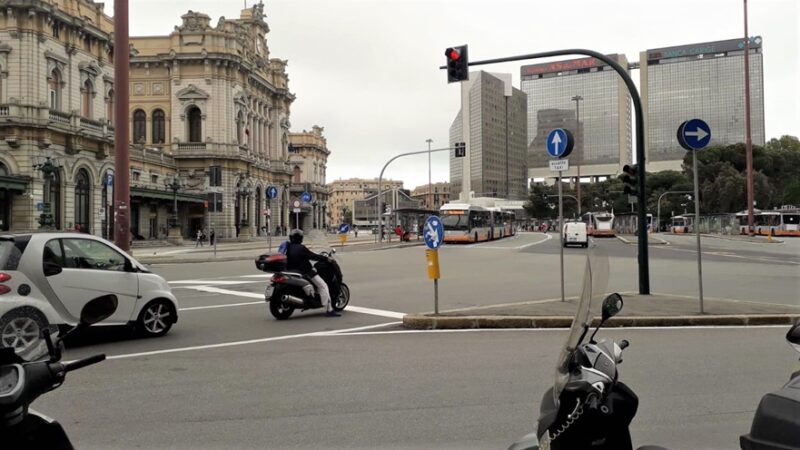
658,205
49,168
579,138
314,214
175,185
430,196
243,192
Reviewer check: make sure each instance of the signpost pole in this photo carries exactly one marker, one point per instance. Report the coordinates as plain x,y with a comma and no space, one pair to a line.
561,230
697,229
269,225
436,295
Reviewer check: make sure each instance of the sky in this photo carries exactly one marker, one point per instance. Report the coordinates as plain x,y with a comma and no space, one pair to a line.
368,70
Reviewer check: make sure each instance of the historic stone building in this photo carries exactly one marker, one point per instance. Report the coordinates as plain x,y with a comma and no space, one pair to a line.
56,133
209,117
432,197
308,160
210,100
344,192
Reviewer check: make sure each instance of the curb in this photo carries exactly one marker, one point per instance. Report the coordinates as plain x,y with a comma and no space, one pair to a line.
651,240
751,240
429,322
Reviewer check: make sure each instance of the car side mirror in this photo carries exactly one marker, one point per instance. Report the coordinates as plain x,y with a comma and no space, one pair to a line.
793,336
51,268
98,309
612,305
128,266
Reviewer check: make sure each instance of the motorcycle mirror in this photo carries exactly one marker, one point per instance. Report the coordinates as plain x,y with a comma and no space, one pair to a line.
612,305
98,309
793,336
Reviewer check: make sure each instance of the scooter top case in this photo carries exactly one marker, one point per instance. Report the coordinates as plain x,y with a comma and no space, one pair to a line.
776,425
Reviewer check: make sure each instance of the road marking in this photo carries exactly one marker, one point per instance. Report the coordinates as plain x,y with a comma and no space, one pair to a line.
485,330
227,305
239,343
497,247
207,282
216,290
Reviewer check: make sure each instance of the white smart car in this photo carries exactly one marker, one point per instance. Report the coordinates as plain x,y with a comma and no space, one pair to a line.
46,278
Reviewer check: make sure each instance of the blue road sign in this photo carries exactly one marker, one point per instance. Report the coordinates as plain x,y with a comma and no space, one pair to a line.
272,192
694,134
559,143
434,232
344,228
306,197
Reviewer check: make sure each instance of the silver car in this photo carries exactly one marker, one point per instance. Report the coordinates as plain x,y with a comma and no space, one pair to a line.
52,275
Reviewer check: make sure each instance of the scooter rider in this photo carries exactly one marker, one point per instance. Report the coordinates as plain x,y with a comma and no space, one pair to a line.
298,259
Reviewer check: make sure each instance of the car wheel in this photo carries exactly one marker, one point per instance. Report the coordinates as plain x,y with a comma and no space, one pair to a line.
21,329
156,318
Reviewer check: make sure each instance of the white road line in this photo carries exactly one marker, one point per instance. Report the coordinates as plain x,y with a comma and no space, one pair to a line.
208,282
497,247
357,309
227,305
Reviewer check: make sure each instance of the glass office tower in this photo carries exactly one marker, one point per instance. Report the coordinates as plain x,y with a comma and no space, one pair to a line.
588,98
704,81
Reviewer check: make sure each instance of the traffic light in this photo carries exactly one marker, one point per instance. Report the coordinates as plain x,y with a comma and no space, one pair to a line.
457,64
460,149
630,178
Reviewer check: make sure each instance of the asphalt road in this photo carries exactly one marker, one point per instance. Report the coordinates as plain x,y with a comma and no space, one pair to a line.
698,389
230,376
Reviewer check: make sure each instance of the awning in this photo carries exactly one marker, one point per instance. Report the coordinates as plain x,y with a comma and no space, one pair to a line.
166,195
14,183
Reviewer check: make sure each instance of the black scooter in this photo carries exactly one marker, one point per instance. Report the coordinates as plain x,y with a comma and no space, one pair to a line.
776,425
23,382
287,291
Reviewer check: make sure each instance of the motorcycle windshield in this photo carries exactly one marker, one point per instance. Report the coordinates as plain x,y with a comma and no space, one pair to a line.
595,282
317,241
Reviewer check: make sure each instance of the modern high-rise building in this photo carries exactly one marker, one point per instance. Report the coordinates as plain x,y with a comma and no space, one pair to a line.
588,98
704,81
493,125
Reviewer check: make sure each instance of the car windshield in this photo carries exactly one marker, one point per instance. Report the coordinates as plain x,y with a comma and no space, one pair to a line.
595,281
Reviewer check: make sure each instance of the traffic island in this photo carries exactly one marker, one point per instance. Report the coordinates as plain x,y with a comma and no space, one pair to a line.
657,310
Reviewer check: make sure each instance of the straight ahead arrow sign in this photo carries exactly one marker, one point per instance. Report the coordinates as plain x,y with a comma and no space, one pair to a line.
556,141
700,134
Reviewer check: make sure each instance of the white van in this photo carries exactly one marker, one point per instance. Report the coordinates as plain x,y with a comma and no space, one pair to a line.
575,234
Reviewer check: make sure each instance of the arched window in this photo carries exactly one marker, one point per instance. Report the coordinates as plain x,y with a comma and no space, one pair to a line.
110,107
159,130
82,200
3,169
86,99
195,124
139,126
296,174
54,89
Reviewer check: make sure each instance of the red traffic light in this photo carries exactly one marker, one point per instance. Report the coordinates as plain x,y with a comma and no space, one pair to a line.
452,54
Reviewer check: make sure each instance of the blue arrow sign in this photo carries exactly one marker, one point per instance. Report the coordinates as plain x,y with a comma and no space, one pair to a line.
694,134
434,232
344,228
306,197
271,192
559,143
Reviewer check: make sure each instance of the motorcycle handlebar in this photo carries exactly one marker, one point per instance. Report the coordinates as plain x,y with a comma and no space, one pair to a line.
81,363
623,344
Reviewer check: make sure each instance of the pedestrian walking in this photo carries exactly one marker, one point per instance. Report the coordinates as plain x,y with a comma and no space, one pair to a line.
355,231
199,238
212,236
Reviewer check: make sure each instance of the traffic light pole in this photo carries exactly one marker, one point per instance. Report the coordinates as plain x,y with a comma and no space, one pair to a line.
644,265
380,184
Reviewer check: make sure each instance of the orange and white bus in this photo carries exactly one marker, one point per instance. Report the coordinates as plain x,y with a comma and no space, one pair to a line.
502,223
681,224
778,222
465,223
599,224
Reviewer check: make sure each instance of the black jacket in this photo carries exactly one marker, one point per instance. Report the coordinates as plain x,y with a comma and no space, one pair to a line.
298,259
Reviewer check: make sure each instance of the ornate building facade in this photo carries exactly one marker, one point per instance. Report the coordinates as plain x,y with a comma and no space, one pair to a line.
209,118
210,98
344,192
432,197
308,160
56,100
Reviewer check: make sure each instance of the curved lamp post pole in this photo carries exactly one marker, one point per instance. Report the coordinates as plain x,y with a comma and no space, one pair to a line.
644,264
380,184
658,205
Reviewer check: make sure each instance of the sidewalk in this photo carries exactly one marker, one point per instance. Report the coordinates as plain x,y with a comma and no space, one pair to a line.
660,310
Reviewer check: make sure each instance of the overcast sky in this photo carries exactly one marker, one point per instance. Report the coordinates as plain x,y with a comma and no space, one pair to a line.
368,70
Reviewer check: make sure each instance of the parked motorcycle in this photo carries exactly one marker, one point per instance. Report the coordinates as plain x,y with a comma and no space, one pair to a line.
287,291
587,407
776,425
23,380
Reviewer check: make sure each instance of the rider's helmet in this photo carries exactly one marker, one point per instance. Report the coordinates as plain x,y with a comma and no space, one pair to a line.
296,236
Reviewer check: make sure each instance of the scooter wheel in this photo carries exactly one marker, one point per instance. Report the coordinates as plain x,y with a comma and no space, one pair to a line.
279,309
342,300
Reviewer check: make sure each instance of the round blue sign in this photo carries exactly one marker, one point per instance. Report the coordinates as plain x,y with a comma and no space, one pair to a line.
306,197
271,192
694,134
344,228
559,143
434,232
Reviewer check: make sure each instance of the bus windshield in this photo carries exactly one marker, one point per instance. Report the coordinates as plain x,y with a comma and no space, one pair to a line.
455,222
